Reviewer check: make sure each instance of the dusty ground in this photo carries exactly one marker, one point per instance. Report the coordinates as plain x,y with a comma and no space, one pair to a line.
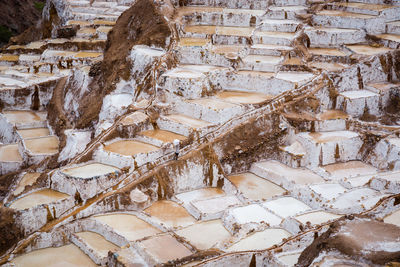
12,23
9,232
360,239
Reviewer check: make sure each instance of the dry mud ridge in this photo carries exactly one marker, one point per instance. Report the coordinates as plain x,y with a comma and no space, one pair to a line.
287,115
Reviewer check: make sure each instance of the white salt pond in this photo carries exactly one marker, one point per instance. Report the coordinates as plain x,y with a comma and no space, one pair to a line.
129,226
260,240
393,218
289,259
328,191
317,217
205,235
286,206
90,170
254,214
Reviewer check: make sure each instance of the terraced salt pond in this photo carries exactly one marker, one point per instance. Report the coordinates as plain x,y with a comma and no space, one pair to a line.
328,191
98,243
393,218
204,193
43,145
34,133
368,50
279,170
260,240
27,179
161,249
254,187
253,214
169,214
349,169
317,217
327,51
24,116
286,206
205,235
255,210
289,259
326,137
130,147
90,170
69,255
238,97
129,226
164,136
213,104
10,153
44,196
192,122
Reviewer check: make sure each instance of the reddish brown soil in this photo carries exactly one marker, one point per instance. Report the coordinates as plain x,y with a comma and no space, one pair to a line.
9,232
5,182
141,24
41,30
356,239
19,15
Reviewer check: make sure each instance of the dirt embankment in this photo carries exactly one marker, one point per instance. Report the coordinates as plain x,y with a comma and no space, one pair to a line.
142,24
9,232
359,239
17,16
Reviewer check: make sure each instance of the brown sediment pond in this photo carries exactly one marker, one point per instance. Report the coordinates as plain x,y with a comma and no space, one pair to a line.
69,255
130,147
24,116
170,213
44,196
10,153
43,145
238,97
164,136
27,179
34,133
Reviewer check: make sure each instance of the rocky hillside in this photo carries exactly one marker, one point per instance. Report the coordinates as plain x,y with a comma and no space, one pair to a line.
12,23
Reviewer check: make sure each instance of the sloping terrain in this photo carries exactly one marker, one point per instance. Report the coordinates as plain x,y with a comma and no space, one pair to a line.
12,22
203,133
